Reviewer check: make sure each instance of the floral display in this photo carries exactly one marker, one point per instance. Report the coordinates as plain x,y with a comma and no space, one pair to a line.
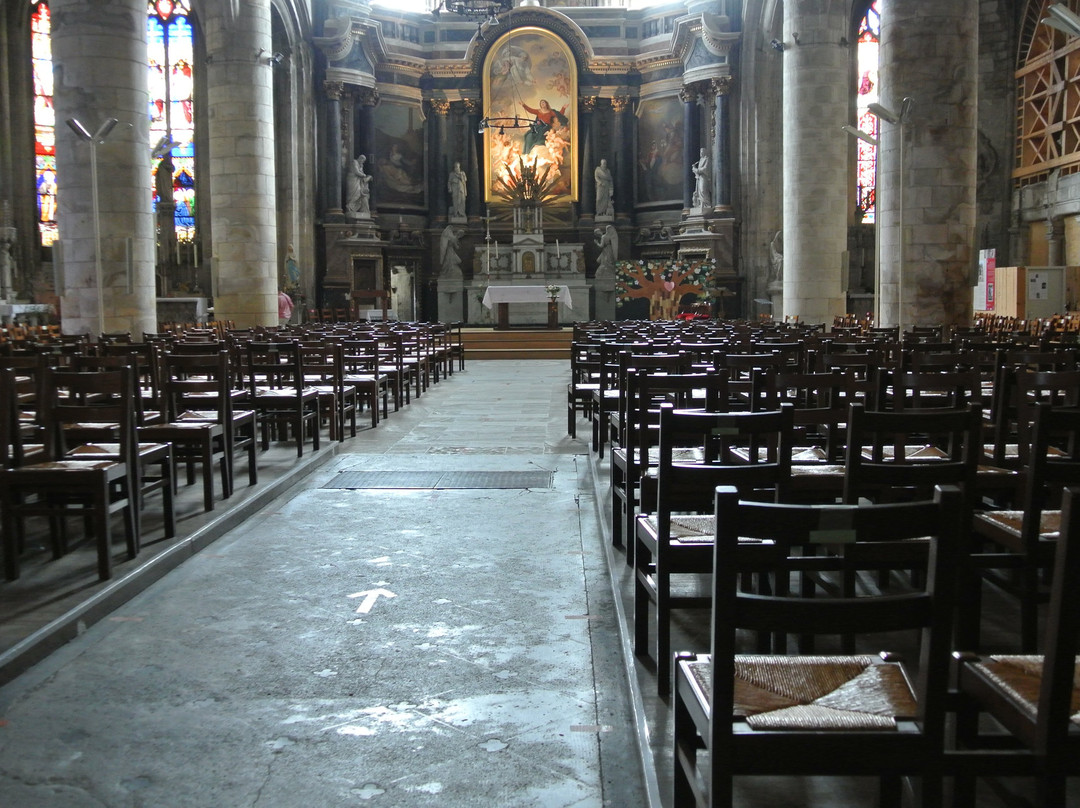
553,291
663,284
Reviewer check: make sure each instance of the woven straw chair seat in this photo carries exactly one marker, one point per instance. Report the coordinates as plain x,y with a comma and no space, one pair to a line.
1020,676
816,693
689,528
1011,521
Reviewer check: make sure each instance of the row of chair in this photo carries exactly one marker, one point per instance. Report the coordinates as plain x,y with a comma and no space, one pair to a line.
891,447
120,416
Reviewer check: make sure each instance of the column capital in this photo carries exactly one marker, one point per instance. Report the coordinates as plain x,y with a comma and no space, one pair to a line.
333,90
440,106
688,94
367,96
588,103
472,105
620,103
722,85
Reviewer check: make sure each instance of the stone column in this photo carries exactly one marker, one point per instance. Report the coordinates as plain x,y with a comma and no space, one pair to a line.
99,69
335,182
817,99
242,180
1055,242
691,142
721,88
623,160
929,53
438,171
473,165
587,110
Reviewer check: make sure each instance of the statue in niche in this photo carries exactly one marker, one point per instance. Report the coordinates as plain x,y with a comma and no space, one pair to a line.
358,189
776,256
605,189
702,198
457,185
449,260
608,242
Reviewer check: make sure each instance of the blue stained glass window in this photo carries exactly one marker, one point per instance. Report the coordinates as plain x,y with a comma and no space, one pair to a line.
44,121
170,50
869,39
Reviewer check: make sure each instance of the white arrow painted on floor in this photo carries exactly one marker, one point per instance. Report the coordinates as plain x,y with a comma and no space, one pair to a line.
369,598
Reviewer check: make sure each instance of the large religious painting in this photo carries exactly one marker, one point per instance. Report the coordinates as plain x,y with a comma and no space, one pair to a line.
660,150
530,75
399,154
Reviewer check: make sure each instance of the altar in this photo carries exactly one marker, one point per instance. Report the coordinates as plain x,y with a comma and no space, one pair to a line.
500,297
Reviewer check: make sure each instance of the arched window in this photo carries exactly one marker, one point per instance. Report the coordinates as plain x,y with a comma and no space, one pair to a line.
172,116
869,38
44,122
169,46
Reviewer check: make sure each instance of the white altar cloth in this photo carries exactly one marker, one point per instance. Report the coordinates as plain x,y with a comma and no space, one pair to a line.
524,294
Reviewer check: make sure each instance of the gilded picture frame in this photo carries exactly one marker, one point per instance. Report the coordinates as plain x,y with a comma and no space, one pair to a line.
530,73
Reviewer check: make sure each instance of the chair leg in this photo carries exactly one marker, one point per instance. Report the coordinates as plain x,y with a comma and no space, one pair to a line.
102,530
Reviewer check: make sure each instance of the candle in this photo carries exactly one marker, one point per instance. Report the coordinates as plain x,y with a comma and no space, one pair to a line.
195,250
558,253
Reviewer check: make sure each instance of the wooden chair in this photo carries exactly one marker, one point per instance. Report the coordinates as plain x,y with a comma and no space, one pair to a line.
360,365
633,465
1021,542
279,394
60,486
1030,700
750,450
324,370
817,715
201,389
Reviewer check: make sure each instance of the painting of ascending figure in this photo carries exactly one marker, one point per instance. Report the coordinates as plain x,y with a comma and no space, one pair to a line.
530,92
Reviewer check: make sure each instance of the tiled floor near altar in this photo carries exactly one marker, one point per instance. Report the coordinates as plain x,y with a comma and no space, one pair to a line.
327,645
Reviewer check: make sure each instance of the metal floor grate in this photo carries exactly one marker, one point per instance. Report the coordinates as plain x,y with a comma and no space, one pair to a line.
442,479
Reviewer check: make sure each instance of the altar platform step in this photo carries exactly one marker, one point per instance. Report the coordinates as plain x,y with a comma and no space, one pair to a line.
517,343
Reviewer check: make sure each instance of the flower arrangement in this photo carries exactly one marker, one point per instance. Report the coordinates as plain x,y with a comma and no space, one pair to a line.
663,283
553,291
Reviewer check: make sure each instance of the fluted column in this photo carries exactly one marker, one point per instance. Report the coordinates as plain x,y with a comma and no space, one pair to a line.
242,176
691,141
587,111
928,271
473,167
721,88
440,108
98,50
334,179
624,156
817,92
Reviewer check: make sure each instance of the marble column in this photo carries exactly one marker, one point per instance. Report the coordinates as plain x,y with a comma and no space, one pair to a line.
473,166
366,100
243,210
691,141
587,111
929,53
623,159
99,70
817,97
721,88
438,170
335,181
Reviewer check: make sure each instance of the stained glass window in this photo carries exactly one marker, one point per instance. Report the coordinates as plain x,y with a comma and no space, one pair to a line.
171,109
44,122
867,92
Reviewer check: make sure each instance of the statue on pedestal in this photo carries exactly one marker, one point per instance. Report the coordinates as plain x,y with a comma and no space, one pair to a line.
358,189
702,198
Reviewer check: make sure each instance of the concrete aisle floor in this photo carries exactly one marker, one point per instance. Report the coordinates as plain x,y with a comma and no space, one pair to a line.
396,647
